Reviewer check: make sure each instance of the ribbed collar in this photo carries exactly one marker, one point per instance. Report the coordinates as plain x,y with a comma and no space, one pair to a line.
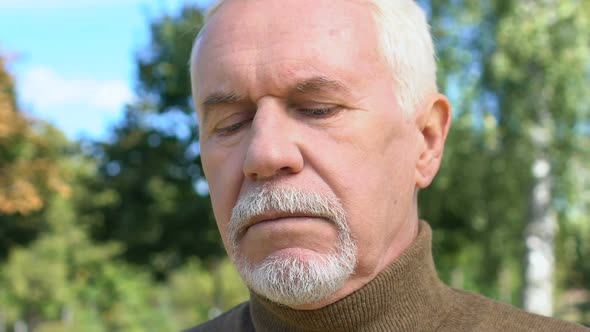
406,296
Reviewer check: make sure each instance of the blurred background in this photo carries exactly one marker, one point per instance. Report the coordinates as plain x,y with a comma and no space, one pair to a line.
105,221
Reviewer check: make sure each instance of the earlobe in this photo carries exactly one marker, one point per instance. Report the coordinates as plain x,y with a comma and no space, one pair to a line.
434,123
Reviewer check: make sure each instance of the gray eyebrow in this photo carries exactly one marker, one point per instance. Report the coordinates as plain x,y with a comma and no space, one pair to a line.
313,84
219,98
318,84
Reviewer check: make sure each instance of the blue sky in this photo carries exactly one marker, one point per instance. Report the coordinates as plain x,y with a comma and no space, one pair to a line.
74,60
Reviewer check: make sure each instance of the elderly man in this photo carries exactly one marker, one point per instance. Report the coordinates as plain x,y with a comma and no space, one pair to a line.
320,121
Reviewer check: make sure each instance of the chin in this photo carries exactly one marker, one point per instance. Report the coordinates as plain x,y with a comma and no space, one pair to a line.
297,276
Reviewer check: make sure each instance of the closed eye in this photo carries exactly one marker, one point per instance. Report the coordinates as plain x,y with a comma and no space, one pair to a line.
319,112
233,123
232,128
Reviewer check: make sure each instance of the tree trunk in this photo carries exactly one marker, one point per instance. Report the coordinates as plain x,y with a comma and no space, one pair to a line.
539,239
20,326
2,322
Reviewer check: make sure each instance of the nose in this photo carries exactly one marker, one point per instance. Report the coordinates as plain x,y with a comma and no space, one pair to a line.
273,148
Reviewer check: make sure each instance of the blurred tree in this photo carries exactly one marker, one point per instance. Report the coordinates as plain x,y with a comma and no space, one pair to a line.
517,75
151,167
53,275
164,81
29,169
476,197
59,279
540,75
65,282
196,293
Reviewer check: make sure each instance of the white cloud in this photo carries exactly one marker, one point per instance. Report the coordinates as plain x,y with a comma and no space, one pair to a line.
77,105
42,87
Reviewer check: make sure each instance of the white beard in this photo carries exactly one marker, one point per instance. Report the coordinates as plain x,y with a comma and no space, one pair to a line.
294,280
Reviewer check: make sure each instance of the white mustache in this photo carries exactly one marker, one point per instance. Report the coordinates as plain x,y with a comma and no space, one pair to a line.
269,200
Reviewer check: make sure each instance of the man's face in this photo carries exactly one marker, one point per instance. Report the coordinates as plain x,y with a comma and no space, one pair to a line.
294,94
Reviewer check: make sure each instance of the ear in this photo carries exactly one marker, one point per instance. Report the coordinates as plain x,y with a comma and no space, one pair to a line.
434,121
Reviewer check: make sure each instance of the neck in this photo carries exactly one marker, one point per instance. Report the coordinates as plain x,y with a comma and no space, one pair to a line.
403,297
404,238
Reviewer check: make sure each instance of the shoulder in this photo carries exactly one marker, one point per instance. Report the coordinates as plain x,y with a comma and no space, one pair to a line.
478,313
236,319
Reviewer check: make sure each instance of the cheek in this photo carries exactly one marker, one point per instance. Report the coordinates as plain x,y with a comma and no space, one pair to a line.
224,176
376,176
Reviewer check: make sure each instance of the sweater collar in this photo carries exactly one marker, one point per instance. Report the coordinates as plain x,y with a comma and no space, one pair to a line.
406,296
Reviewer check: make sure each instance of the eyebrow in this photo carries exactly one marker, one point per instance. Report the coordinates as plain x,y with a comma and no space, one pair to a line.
319,84
218,98
313,84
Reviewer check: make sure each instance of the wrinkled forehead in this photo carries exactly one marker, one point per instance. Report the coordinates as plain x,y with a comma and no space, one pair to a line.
240,25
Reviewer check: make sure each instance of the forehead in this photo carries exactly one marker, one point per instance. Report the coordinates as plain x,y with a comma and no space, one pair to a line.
282,15
265,43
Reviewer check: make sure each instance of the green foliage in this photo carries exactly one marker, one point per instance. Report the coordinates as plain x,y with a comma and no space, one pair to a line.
163,66
29,170
517,74
150,202
151,166
55,277
64,274
64,270
198,292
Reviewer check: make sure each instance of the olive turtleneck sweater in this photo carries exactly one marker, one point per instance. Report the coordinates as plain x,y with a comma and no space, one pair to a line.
407,296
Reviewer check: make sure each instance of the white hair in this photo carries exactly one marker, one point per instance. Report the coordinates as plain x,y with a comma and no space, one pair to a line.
405,42
293,280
